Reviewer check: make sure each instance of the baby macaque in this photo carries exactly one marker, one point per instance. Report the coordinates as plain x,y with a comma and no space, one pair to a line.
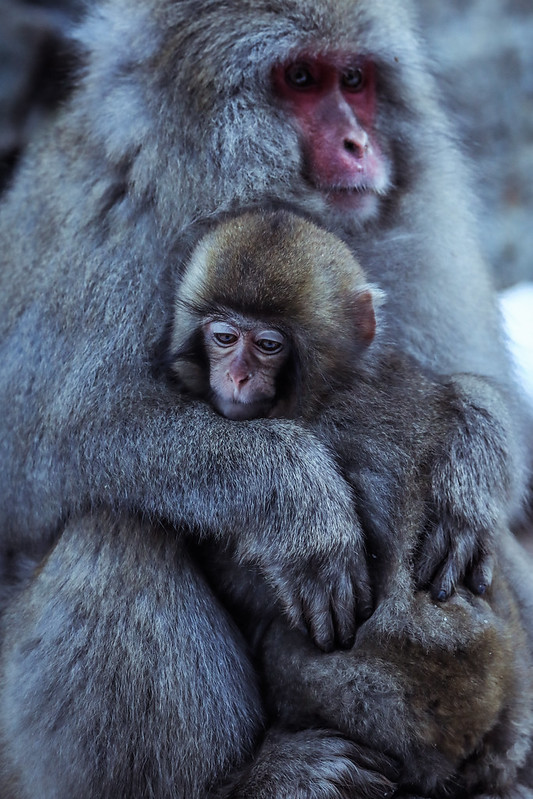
274,317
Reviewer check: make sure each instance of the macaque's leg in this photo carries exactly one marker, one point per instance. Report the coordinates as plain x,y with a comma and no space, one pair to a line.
121,675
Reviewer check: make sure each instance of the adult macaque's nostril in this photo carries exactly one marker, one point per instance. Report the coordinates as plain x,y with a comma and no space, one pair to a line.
357,148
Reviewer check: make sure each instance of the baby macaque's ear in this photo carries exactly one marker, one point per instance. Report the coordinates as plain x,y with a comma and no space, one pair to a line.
364,316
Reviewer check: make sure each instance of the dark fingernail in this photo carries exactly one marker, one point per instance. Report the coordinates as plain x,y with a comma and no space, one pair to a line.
481,588
441,596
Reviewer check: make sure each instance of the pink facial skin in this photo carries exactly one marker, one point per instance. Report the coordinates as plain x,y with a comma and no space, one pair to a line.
244,362
332,100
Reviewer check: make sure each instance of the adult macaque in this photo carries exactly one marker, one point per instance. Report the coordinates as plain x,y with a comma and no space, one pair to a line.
182,110
445,690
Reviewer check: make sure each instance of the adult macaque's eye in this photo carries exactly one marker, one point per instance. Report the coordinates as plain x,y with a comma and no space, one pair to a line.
352,79
299,76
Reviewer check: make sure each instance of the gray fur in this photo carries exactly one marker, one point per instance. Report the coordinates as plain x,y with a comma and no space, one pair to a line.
172,120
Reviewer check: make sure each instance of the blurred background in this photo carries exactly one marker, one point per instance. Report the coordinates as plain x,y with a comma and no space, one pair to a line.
484,52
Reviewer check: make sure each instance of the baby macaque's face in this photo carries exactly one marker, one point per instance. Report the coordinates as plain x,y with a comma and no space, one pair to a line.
245,358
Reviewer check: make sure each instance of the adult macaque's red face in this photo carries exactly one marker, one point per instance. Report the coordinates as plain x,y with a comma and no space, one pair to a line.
332,99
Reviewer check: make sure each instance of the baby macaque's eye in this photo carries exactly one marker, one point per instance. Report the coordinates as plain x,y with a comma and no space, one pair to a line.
224,339
223,334
269,346
270,341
